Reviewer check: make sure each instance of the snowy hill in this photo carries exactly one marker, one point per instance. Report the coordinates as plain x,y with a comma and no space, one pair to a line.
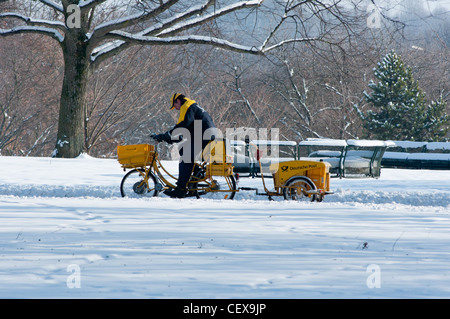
67,233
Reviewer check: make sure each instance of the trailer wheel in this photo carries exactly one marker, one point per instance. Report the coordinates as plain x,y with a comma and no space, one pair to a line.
296,189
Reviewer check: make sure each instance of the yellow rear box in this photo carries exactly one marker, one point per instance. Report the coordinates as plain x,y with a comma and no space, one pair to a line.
318,172
215,152
137,155
225,169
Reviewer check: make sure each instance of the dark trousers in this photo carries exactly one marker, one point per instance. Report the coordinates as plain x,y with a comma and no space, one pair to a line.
186,165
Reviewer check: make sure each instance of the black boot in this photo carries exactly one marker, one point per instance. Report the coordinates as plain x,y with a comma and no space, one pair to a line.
184,173
176,193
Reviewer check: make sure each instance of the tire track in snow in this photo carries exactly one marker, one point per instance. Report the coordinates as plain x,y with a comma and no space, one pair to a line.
412,198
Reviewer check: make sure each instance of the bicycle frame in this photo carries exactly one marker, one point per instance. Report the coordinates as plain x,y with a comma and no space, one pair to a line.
203,184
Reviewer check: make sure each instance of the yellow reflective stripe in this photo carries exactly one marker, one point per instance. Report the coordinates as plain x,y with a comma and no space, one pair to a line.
184,109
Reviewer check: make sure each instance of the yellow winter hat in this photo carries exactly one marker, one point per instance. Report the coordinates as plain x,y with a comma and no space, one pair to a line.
174,98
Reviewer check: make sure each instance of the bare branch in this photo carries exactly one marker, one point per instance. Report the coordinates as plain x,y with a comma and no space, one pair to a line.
35,22
87,5
282,43
238,89
214,15
156,30
33,29
53,5
216,42
167,29
124,22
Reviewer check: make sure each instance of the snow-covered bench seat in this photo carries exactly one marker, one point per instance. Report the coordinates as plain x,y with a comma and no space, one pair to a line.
416,160
415,154
351,158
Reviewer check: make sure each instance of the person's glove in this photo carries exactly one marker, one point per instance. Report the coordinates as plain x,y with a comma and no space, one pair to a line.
164,137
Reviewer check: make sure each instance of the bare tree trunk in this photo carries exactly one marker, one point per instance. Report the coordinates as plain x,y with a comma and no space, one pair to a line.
71,125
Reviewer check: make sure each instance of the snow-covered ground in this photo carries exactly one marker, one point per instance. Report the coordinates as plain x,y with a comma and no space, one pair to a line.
65,232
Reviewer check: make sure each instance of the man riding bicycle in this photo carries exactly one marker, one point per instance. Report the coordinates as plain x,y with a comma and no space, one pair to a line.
197,128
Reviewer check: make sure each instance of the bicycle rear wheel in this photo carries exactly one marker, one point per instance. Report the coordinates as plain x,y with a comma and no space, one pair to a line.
223,187
134,184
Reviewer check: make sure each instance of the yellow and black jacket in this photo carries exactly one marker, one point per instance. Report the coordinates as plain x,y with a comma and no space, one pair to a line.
190,111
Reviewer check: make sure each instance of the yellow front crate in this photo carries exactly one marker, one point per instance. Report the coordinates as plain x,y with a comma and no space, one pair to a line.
137,155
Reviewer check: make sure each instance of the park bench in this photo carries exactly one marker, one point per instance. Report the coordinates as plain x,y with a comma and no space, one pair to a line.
418,155
348,158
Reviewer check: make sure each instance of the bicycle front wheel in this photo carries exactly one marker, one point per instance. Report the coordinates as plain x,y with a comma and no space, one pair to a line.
135,185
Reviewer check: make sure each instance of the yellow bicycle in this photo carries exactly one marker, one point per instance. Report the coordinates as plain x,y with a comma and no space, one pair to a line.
212,178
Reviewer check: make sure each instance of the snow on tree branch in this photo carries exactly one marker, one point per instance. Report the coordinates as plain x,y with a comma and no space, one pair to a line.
35,22
124,22
185,40
89,4
33,29
53,5
281,43
166,28
171,26
167,23
177,28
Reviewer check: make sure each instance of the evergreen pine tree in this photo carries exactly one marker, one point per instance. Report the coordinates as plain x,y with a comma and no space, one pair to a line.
399,104
436,121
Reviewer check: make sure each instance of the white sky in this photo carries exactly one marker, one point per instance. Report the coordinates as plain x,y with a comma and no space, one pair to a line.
431,4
